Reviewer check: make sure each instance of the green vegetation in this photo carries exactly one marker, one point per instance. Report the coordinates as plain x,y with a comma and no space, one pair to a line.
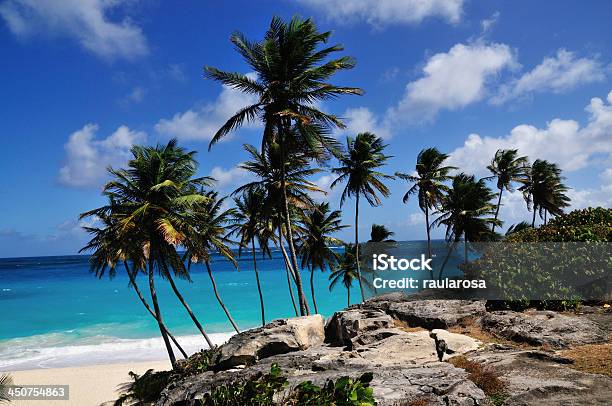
144,389
272,389
5,381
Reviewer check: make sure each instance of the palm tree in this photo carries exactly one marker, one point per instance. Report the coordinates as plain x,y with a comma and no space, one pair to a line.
317,225
267,167
250,222
109,249
515,228
292,66
5,381
345,272
209,234
428,184
380,233
507,168
364,155
150,201
465,211
543,190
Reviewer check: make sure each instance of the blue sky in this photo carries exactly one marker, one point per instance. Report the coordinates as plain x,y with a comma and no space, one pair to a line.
82,80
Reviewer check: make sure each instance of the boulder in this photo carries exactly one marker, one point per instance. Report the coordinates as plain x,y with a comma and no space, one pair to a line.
278,337
431,314
543,328
345,325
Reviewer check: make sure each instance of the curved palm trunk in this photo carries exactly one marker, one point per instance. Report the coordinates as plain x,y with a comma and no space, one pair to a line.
429,253
348,297
304,310
533,220
314,300
450,250
498,206
357,247
186,306
261,301
146,305
158,316
545,212
214,285
287,269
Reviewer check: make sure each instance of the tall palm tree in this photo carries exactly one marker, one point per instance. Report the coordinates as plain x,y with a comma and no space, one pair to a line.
250,222
149,201
543,190
269,170
428,184
380,233
466,211
293,67
208,235
507,168
359,169
5,381
317,225
109,250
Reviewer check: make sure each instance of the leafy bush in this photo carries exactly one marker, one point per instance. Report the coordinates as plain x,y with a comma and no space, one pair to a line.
196,364
270,390
552,267
144,389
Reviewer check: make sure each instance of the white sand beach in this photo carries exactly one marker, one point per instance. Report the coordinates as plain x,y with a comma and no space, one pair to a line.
89,385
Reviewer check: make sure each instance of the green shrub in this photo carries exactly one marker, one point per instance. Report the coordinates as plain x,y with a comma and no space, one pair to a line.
271,390
196,364
144,389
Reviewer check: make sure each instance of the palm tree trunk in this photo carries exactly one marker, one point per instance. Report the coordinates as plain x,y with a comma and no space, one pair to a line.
186,306
429,253
304,311
158,316
357,247
314,300
545,212
261,301
450,250
465,248
287,269
533,220
214,285
146,305
498,206
348,297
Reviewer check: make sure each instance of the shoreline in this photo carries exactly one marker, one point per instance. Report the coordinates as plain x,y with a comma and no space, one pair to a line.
88,385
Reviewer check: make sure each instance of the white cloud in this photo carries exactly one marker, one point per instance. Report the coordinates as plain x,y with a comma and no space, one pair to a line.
452,80
331,195
556,74
202,123
601,196
362,119
415,219
230,177
383,12
87,21
136,95
562,141
488,23
87,157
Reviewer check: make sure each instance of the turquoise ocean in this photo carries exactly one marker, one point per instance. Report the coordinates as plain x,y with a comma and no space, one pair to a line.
56,313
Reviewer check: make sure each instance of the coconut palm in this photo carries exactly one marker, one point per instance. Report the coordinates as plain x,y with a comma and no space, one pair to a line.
109,250
251,222
267,167
208,235
380,233
507,168
317,225
5,381
292,66
428,184
515,228
345,272
466,212
149,201
543,190
359,169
